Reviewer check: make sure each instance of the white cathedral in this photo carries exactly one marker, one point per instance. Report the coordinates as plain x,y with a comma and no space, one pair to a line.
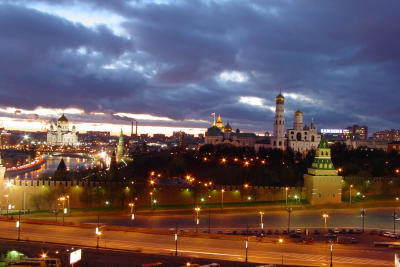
60,135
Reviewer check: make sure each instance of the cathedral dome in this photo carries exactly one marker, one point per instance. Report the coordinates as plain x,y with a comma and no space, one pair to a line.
213,131
298,113
63,118
280,98
228,128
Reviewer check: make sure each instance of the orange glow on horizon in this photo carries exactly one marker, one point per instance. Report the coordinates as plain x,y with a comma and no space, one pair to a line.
42,125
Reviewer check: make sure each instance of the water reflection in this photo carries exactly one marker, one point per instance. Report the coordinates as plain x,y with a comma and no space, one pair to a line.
51,165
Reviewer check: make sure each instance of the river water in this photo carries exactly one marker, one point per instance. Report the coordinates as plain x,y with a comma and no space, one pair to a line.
51,165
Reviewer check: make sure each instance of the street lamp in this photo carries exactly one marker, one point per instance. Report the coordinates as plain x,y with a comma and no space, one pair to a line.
98,234
131,205
18,225
197,210
280,240
331,255
69,210
351,186
261,220
63,206
363,216
151,200
286,189
222,198
325,216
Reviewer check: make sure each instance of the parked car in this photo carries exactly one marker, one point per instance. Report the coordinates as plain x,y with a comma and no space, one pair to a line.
336,231
269,232
351,231
381,232
343,231
228,232
204,231
298,231
373,232
358,231
330,230
294,235
277,232
284,232
234,232
316,232
219,232
354,240
387,234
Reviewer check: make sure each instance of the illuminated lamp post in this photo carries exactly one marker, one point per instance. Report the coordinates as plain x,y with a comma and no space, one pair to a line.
325,216
131,205
18,225
63,207
261,220
222,198
351,186
151,200
197,210
286,189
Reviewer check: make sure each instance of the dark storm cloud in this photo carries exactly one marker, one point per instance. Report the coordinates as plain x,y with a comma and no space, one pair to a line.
344,54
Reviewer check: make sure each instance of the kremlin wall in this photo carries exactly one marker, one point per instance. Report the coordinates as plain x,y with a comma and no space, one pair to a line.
43,195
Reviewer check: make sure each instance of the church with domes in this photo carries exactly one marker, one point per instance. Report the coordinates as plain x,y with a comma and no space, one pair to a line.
220,134
301,138
60,135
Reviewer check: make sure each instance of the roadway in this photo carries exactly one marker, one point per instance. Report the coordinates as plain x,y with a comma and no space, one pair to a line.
317,254
376,218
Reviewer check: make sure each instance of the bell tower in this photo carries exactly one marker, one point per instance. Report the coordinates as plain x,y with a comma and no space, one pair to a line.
279,122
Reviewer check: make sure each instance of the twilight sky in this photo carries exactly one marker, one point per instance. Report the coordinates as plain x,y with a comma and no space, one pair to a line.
170,64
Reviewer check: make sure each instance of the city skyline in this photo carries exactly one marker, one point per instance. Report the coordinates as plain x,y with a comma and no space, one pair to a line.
104,64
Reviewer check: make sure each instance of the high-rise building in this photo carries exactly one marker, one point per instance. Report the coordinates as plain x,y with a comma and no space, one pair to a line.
356,132
392,135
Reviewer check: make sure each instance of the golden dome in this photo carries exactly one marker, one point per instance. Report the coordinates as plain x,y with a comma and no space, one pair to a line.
298,113
63,118
280,98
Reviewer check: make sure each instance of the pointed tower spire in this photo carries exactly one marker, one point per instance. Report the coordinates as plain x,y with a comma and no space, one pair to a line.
219,122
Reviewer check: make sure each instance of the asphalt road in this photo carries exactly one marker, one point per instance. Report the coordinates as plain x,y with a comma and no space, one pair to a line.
376,218
317,254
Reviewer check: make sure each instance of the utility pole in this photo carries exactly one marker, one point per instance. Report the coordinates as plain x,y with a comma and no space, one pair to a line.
394,221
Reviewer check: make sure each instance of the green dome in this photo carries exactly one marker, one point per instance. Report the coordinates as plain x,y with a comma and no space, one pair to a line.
213,131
